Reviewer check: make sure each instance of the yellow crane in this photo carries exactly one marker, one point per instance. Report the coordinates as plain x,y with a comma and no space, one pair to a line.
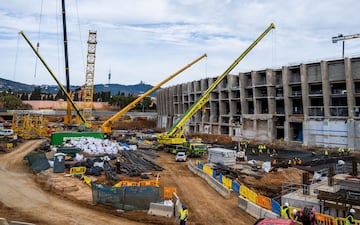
175,135
106,126
57,81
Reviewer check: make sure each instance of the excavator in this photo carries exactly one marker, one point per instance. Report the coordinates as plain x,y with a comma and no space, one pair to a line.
175,135
106,127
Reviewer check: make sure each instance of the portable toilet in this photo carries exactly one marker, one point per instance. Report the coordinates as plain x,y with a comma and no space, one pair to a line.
59,162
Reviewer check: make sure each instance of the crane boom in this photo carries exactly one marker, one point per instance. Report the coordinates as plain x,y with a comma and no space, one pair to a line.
346,37
106,126
176,133
57,81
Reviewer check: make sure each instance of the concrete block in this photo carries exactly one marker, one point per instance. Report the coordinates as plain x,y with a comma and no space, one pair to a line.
19,223
157,209
3,221
242,203
254,210
264,213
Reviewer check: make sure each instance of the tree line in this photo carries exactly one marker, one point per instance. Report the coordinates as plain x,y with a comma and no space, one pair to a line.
12,100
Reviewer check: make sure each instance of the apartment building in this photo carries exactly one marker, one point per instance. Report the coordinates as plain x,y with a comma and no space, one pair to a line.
312,104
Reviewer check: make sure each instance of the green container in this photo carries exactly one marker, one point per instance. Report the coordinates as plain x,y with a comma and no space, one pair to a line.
59,138
70,151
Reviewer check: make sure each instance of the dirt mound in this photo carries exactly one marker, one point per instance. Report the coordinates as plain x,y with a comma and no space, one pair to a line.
270,184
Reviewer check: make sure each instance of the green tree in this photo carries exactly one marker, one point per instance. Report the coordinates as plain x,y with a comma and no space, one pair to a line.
12,102
36,94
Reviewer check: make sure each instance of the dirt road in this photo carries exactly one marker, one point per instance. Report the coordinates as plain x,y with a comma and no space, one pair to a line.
23,199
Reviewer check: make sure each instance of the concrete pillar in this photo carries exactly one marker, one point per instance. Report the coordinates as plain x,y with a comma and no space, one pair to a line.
287,106
350,89
325,88
305,101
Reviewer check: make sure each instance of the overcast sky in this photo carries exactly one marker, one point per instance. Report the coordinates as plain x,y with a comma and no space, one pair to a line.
148,40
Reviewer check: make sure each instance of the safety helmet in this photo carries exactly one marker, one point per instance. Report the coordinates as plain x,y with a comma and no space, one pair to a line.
352,210
183,205
286,204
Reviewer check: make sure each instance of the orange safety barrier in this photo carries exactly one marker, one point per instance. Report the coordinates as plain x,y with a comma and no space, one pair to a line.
325,219
248,194
168,191
149,183
264,202
77,170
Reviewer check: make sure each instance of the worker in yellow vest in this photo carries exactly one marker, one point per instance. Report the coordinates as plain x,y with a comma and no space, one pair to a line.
284,210
326,153
350,217
183,214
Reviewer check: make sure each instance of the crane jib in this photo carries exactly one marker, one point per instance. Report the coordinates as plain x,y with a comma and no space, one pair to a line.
205,97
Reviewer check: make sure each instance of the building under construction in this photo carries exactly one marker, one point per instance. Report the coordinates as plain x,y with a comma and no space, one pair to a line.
312,104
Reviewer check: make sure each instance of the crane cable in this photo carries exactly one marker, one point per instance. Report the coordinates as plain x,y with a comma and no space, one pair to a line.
81,42
38,42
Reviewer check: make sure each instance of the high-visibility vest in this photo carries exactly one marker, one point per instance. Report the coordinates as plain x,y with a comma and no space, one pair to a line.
349,220
183,214
284,213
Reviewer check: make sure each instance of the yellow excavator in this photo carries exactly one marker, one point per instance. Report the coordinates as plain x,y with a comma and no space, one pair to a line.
175,135
106,127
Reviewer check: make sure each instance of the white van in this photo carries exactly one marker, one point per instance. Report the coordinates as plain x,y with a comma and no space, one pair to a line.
6,132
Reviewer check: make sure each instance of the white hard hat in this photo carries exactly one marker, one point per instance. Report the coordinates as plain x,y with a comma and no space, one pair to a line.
294,211
352,210
286,204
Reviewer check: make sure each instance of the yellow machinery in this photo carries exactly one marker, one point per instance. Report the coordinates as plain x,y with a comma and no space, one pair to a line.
57,81
175,135
106,126
29,125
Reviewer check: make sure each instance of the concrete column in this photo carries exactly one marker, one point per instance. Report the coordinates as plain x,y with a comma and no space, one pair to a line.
288,110
349,88
325,88
305,101
271,81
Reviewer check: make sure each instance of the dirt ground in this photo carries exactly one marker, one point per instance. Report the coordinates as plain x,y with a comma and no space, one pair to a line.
52,199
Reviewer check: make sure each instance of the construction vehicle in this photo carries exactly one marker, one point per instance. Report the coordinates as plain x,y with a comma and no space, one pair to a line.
175,135
106,126
68,97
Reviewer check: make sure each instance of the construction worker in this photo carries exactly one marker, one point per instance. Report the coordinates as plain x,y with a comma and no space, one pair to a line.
347,151
299,162
183,214
284,210
289,162
297,215
350,217
340,151
326,153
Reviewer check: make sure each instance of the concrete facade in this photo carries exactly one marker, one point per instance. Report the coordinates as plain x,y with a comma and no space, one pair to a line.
313,104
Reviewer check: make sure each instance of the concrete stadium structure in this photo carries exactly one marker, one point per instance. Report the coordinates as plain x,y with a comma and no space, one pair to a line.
313,104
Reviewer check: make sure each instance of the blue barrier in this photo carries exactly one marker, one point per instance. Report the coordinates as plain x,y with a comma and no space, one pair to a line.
214,174
235,187
275,206
220,178
200,166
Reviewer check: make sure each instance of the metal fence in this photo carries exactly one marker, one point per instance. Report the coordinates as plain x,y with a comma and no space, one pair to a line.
126,197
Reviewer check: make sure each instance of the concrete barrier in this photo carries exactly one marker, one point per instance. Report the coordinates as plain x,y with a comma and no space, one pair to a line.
264,213
157,209
242,203
221,189
253,210
19,223
3,221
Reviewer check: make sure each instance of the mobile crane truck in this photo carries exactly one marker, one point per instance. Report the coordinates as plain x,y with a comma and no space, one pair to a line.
175,135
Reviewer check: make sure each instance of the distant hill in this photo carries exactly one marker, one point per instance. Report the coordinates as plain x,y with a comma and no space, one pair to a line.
6,85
